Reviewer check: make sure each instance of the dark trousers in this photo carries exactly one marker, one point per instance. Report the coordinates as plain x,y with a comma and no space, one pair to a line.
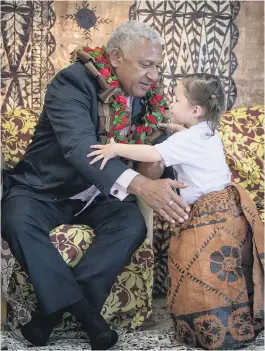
26,223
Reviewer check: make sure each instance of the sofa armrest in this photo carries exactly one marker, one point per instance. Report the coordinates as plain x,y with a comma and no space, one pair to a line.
148,216
3,309
2,167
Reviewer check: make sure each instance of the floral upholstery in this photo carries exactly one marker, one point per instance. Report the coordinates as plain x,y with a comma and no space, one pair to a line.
17,127
130,301
242,132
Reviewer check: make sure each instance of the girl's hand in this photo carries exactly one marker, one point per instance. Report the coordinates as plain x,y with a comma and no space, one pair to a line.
173,127
104,151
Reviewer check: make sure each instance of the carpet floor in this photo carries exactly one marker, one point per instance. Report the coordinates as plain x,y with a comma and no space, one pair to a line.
156,334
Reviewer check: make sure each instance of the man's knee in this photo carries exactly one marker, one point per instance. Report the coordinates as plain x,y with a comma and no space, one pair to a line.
11,220
135,225
11,227
18,220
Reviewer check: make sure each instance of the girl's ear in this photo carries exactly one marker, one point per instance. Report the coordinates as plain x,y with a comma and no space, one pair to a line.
198,111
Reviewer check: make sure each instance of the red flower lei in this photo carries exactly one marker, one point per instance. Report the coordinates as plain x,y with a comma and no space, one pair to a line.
155,103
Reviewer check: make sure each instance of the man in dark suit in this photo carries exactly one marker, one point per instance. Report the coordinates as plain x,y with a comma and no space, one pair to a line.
55,184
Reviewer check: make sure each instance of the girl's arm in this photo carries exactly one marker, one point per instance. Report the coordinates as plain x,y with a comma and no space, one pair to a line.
173,127
144,153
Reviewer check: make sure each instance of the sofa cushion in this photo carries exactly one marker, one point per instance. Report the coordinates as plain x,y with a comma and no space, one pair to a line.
72,240
17,127
242,132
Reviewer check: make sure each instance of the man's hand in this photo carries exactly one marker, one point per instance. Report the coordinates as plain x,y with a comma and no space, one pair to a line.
160,196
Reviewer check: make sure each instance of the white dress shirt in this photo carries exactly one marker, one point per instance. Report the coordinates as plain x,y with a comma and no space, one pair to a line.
119,188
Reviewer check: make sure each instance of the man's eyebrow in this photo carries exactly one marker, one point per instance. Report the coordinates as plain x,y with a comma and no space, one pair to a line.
151,62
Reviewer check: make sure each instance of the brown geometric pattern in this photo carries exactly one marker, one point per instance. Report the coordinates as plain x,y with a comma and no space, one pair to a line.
86,18
27,45
162,233
210,260
209,337
199,36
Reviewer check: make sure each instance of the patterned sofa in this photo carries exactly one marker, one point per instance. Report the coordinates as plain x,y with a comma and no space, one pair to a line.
242,132
130,301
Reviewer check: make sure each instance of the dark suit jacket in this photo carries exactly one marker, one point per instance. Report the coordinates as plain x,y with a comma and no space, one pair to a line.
55,166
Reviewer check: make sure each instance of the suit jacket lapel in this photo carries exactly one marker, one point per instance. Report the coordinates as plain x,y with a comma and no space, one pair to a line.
138,111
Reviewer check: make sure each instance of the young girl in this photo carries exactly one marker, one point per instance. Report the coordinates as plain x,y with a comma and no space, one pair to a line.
195,152
215,274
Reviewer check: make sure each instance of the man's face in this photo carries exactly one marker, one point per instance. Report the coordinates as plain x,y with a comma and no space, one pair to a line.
137,68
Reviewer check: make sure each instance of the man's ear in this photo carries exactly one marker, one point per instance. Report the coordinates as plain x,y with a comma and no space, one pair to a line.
115,57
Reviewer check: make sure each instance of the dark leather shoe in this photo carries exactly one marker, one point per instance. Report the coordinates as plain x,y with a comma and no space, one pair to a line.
104,341
37,331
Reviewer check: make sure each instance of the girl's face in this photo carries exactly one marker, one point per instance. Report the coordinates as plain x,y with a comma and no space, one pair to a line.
182,112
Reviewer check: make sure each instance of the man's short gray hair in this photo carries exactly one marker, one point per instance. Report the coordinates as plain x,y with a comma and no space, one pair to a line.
130,33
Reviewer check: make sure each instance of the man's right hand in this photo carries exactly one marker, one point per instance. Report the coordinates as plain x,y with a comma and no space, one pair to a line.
160,196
